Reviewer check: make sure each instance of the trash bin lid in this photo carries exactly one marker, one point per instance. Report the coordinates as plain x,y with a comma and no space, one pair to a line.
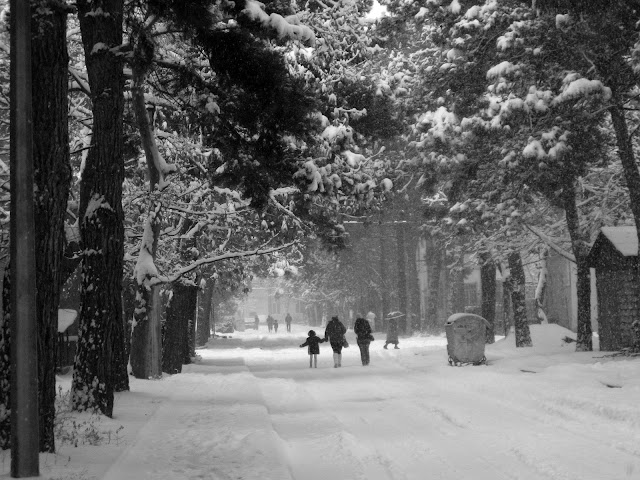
457,317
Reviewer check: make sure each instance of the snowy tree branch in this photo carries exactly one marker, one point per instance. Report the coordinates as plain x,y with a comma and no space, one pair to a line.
226,256
547,240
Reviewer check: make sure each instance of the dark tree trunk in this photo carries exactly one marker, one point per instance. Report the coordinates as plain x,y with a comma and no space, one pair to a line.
180,310
434,272
52,180
456,286
507,310
146,339
191,304
413,287
100,358
401,259
488,287
204,315
523,336
584,342
128,310
541,288
384,293
627,157
5,364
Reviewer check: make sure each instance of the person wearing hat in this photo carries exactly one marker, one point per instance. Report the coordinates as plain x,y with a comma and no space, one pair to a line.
392,329
334,333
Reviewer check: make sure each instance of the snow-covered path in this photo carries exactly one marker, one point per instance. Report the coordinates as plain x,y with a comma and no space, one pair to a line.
252,409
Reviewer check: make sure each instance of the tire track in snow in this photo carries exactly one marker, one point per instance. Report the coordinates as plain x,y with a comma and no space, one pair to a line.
318,444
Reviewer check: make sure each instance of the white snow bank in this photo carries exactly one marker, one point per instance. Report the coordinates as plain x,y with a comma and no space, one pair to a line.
252,408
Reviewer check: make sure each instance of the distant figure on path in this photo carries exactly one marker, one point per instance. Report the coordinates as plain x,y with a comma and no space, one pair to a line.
275,325
392,329
362,329
288,321
371,317
313,342
334,333
256,320
270,322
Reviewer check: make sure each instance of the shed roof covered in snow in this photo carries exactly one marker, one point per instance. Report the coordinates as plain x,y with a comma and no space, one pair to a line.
614,248
625,239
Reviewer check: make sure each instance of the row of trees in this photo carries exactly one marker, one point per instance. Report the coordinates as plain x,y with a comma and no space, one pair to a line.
178,139
172,140
519,121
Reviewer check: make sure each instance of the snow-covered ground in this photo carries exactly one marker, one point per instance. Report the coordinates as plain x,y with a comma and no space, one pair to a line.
252,409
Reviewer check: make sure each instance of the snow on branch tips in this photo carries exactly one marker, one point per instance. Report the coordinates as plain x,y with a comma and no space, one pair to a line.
204,261
286,27
502,70
575,88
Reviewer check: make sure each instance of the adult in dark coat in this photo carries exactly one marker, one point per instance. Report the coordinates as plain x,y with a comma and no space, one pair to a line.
392,329
313,342
288,321
362,329
334,333
270,322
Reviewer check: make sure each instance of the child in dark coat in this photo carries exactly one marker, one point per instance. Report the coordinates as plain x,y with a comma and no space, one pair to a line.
313,342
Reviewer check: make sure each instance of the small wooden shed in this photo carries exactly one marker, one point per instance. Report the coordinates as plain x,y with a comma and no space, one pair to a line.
614,256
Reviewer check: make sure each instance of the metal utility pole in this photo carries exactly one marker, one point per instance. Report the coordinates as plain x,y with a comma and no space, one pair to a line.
24,336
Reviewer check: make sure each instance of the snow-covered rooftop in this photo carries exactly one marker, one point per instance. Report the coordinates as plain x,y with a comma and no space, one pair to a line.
624,239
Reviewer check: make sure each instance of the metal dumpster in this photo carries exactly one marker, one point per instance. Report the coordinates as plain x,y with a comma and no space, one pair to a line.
466,338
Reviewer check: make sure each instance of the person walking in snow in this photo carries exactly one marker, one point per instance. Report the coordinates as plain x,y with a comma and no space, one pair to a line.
334,333
392,329
269,322
313,342
362,329
256,320
275,325
288,321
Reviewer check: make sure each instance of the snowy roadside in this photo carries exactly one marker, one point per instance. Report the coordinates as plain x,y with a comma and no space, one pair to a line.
253,409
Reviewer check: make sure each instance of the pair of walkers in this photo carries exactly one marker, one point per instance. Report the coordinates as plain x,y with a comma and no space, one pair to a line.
334,334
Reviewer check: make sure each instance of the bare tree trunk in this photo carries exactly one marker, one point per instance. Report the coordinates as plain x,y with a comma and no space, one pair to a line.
52,178
488,287
456,286
523,336
507,310
191,304
384,293
101,335
542,286
401,259
146,358
434,272
204,323
128,309
584,341
5,364
413,286
180,309
627,157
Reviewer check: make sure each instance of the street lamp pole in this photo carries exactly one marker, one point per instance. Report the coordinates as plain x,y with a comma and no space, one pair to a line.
24,335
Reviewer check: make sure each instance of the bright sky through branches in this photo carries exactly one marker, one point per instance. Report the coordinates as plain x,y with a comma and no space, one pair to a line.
376,11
